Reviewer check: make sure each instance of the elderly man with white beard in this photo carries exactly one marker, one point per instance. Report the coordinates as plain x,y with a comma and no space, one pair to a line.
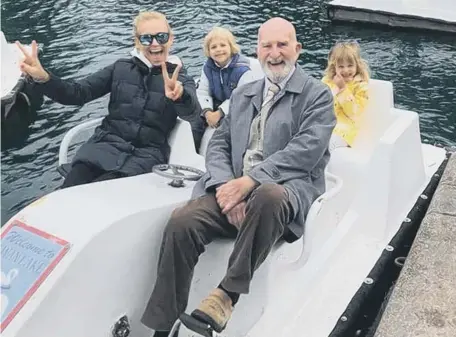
265,166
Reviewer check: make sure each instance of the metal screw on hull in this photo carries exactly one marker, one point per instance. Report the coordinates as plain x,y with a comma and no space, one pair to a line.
399,261
368,280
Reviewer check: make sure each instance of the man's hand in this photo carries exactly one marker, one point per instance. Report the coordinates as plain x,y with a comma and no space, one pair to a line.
233,192
237,214
213,117
173,87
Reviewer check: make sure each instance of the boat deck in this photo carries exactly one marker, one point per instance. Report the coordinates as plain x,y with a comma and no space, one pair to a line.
438,15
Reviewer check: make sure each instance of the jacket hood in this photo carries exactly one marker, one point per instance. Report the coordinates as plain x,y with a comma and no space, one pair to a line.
140,56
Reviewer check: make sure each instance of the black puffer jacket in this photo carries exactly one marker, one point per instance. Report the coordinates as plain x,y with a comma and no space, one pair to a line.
134,135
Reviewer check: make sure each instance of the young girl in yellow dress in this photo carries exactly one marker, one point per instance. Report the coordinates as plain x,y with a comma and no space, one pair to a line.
347,74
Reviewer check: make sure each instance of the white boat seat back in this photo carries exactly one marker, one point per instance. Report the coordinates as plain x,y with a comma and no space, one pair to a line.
183,151
377,116
205,140
180,141
350,164
387,134
75,137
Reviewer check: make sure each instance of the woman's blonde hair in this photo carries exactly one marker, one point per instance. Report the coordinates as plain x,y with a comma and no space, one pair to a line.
146,16
349,52
221,33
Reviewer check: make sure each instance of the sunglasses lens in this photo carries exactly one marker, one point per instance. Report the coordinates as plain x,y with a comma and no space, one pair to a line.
162,38
145,39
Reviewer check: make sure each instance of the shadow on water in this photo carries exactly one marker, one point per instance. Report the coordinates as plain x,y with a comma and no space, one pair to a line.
15,129
79,37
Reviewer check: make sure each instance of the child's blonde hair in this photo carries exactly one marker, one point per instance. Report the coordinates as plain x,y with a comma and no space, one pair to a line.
221,33
146,16
349,52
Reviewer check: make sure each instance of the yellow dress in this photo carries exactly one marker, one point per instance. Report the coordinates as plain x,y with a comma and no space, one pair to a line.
349,105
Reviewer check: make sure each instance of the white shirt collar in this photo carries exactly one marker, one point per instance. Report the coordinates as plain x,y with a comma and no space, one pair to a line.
226,66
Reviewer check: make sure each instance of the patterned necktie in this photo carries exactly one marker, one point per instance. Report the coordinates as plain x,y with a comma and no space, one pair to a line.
265,107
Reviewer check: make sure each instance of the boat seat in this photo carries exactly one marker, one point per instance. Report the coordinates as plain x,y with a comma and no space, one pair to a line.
205,140
350,163
182,150
76,136
377,116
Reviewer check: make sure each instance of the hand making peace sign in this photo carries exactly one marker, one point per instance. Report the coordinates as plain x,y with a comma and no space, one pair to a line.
31,65
173,87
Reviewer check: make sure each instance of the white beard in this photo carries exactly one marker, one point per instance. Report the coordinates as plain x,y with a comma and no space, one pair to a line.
277,77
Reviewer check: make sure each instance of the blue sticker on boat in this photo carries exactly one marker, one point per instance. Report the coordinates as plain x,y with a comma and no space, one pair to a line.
28,257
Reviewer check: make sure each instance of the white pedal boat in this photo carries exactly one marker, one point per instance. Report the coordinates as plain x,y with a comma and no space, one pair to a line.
114,232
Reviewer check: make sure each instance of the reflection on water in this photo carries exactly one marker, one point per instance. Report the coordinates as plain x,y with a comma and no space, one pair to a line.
79,37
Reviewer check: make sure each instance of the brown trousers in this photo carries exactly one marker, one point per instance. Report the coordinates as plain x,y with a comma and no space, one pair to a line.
195,225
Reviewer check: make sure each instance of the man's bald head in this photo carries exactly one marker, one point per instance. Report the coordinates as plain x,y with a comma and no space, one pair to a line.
277,24
278,49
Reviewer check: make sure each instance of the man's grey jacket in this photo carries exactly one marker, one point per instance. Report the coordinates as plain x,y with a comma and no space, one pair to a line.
295,147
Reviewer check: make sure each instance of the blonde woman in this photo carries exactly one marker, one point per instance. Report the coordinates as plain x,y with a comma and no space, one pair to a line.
224,70
148,91
347,74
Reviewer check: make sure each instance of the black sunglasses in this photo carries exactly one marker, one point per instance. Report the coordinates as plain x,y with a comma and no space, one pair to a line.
147,39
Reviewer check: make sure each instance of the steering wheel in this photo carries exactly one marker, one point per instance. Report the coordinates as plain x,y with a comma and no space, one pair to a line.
177,176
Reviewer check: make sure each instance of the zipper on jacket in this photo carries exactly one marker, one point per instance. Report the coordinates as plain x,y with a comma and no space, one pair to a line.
146,90
221,77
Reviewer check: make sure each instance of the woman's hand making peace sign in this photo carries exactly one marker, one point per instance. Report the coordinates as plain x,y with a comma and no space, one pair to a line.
31,65
173,87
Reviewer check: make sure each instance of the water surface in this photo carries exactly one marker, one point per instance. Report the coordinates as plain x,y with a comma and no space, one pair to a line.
78,37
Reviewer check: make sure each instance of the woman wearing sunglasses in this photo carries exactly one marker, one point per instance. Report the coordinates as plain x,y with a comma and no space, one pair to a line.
147,93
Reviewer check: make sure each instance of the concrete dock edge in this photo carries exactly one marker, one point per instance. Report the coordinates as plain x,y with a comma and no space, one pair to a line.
423,302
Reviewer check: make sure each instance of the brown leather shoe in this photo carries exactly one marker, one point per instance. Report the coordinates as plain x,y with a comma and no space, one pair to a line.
216,310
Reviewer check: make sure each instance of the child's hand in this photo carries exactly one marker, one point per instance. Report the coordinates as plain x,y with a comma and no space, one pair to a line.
212,118
339,81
